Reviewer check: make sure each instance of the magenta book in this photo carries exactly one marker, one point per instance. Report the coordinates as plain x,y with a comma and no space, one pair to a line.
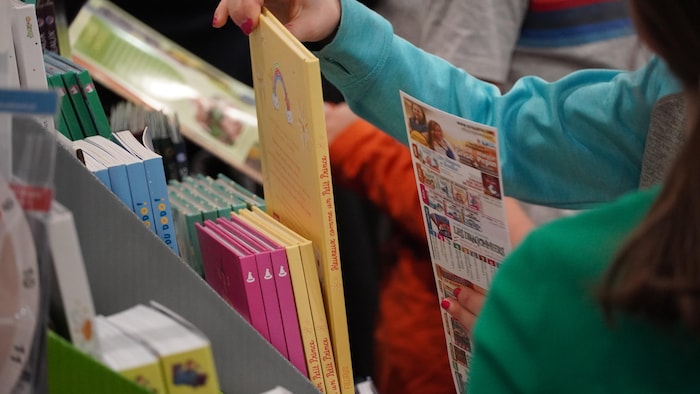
285,292
267,284
239,276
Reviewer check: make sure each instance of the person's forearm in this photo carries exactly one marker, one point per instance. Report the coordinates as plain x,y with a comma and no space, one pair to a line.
572,143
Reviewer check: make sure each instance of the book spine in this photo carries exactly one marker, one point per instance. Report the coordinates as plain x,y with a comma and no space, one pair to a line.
160,202
254,298
271,301
28,53
140,196
46,18
120,184
72,126
323,334
306,321
94,105
81,110
288,309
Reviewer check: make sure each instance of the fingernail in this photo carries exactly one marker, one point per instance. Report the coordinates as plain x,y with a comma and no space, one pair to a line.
213,21
247,26
456,291
445,304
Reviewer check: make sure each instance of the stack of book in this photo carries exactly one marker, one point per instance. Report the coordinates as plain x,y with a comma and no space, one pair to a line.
268,273
198,198
136,175
157,349
81,113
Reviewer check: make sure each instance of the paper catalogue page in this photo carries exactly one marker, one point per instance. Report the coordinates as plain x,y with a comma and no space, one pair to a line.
457,171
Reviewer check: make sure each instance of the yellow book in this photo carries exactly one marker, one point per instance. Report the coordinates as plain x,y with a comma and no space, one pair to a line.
185,355
301,296
129,357
308,260
295,163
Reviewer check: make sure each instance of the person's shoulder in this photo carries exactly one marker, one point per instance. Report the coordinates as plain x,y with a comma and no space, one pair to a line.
584,243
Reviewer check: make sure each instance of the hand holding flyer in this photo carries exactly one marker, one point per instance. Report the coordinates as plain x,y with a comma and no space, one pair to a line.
455,162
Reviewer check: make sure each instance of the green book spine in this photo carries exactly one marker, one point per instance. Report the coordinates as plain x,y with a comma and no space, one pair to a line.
71,126
99,117
76,96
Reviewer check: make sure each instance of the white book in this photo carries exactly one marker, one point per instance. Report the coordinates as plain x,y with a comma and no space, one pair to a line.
8,63
28,51
72,296
128,356
185,354
8,79
30,56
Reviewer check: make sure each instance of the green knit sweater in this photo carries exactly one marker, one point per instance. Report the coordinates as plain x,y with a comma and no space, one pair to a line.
541,330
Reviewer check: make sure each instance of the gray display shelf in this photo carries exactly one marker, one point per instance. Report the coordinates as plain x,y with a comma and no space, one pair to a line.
128,264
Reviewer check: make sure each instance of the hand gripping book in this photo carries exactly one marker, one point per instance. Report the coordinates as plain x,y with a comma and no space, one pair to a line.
295,163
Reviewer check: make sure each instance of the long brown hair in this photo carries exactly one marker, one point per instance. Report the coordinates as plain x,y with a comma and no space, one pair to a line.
656,274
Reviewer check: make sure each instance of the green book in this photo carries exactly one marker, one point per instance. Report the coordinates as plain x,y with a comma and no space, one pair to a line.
87,88
59,118
70,80
69,124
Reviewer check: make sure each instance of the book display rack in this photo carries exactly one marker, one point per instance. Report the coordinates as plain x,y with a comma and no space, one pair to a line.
134,266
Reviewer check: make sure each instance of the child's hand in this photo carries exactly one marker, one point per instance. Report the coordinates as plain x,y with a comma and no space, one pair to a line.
307,20
465,306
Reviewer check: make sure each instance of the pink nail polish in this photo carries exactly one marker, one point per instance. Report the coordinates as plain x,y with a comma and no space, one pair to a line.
445,304
216,19
456,291
247,26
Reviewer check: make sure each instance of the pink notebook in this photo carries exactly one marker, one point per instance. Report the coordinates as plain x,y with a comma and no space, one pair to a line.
241,282
267,283
285,291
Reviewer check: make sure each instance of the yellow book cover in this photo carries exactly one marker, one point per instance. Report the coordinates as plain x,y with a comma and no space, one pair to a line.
130,358
301,295
184,354
295,163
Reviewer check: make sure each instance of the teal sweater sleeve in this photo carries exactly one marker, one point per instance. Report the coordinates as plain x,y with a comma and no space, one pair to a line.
570,143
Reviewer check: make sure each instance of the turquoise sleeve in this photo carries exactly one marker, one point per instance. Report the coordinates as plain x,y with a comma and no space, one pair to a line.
570,144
